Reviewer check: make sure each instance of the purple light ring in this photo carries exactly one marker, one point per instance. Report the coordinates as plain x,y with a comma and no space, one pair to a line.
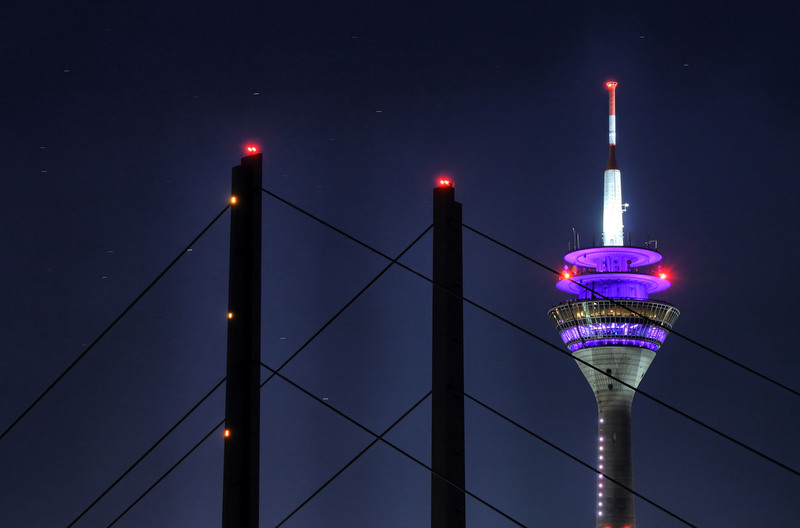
653,283
591,257
609,328
612,330
593,343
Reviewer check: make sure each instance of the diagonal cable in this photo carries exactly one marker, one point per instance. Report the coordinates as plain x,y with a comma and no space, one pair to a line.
393,446
286,362
616,302
113,323
163,476
145,454
328,225
637,390
544,341
422,276
578,460
394,261
352,460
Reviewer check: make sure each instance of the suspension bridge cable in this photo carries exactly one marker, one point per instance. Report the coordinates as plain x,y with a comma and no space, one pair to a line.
286,362
687,338
578,460
474,304
146,453
352,460
162,477
376,436
353,299
544,341
113,323
393,446
326,224
637,390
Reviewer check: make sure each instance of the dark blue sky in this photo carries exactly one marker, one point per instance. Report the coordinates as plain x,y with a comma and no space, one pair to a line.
121,121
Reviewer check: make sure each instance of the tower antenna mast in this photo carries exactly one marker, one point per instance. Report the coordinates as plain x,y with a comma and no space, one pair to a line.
612,179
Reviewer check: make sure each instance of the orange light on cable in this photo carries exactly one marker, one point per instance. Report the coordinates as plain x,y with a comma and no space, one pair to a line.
233,200
230,315
227,433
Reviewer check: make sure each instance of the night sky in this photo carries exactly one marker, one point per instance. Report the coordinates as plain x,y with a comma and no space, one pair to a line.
120,123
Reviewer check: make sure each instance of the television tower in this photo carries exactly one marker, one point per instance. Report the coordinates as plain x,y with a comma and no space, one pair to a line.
614,327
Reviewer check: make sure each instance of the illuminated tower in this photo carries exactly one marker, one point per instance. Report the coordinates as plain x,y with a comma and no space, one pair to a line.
613,326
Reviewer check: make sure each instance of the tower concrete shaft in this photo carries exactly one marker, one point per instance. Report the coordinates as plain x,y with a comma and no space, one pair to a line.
615,503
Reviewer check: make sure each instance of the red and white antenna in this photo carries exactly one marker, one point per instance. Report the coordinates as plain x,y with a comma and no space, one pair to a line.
612,112
612,185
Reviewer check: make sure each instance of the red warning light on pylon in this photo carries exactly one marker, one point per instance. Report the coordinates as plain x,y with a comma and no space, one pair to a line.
445,182
251,149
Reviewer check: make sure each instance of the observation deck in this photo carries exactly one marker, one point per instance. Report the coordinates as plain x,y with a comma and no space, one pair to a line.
613,322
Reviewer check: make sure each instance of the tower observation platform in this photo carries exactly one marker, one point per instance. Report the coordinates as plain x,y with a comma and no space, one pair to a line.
613,329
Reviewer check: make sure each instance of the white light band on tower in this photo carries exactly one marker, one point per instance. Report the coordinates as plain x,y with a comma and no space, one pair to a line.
612,130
